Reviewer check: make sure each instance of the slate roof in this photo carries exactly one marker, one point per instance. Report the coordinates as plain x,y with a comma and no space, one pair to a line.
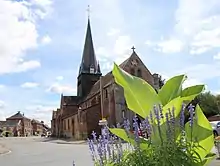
108,78
9,123
18,115
70,100
36,121
89,58
12,123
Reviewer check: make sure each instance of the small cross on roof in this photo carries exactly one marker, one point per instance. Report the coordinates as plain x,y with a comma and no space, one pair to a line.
133,48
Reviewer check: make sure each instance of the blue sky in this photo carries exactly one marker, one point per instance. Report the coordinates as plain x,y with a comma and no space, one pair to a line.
41,44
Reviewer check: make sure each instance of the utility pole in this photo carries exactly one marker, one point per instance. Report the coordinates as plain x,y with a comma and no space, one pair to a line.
103,121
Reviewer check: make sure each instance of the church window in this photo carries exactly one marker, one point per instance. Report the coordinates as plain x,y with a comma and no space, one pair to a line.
68,123
106,93
132,72
139,73
92,70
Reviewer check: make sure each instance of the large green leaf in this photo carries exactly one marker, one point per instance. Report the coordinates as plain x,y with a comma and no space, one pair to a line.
191,92
171,89
201,132
177,105
128,137
208,159
140,96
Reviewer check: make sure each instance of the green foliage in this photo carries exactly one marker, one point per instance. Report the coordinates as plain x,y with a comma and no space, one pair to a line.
141,98
171,89
136,91
201,132
208,104
191,92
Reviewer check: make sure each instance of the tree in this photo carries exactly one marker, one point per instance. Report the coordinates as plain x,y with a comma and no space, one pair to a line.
218,102
161,81
208,103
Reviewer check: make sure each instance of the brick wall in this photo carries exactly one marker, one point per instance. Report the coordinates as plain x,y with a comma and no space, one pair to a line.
93,115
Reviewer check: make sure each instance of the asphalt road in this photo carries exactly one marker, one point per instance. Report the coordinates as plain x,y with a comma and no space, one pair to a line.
35,152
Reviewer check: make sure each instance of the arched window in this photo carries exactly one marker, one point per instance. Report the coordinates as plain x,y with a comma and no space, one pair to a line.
106,93
139,73
132,72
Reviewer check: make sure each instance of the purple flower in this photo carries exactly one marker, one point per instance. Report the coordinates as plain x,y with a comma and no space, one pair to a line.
156,112
182,116
191,114
148,126
169,134
126,125
92,149
94,136
136,129
161,111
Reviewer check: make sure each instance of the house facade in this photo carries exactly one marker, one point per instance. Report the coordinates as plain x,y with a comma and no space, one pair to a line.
19,125
97,96
37,127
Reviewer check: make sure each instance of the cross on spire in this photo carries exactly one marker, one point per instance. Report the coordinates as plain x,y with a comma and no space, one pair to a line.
133,48
88,10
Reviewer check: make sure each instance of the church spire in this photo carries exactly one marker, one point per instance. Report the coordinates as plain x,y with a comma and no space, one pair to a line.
89,63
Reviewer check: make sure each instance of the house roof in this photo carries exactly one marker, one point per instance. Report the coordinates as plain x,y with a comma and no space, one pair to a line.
108,78
70,100
12,123
35,121
18,115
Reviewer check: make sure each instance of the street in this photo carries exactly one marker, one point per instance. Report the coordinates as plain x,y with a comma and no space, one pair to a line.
32,151
35,152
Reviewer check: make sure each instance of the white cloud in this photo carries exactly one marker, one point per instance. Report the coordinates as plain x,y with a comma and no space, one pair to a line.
195,30
29,85
113,32
166,46
18,34
58,88
46,40
59,78
217,56
203,32
2,86
2,104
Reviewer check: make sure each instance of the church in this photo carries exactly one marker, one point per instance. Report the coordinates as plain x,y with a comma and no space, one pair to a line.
97,96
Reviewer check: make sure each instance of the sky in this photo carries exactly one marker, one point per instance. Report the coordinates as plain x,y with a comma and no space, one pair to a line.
41,44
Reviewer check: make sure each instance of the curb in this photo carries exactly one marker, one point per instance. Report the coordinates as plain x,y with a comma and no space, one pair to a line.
71,143
5,153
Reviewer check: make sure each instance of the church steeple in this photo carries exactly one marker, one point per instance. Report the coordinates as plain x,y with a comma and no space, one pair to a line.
89,71
89,63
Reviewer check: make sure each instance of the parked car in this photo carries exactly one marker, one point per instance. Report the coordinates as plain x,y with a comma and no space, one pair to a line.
216,128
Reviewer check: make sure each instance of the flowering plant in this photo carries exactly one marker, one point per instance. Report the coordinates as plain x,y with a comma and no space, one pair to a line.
178,133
